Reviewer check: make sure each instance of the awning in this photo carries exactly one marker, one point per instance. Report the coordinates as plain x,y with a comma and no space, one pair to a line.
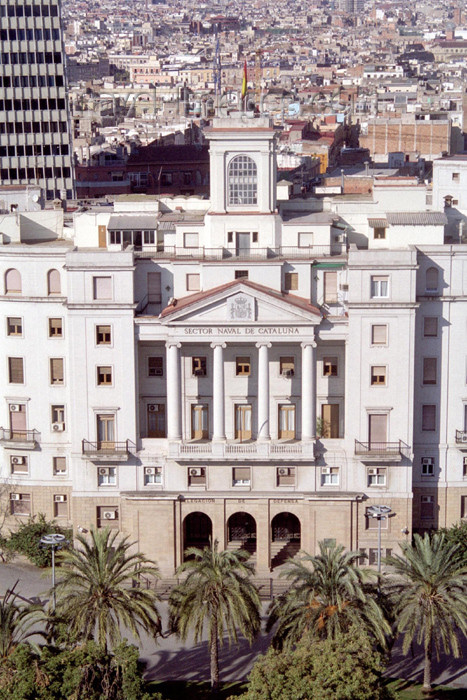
132,222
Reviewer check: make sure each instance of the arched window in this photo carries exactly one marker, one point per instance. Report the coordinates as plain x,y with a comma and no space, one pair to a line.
242,181
431,282
53,282
12,282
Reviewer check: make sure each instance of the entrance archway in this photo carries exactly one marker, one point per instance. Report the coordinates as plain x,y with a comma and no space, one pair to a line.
241,532
197,530
286,538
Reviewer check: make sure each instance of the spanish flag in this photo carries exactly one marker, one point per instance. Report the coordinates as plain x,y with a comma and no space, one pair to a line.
245,80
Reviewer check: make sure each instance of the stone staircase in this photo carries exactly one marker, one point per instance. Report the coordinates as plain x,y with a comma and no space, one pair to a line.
282,551
247,545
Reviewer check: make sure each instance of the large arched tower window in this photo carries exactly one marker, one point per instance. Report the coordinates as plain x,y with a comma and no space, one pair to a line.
242,181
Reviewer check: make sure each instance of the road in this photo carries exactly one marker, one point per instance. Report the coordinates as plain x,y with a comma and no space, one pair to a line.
170,659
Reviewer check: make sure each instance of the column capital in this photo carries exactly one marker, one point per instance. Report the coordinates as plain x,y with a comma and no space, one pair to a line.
173,343
218,345
310,343
266,344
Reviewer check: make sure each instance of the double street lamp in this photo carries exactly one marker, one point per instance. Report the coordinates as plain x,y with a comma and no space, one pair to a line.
53,540
379,513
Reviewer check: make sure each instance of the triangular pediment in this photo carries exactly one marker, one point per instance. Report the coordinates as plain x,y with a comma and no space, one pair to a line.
241,303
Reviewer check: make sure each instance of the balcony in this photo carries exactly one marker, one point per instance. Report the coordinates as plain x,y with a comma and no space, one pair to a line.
19,439
380,451
242,450
233,255
461,439
107,451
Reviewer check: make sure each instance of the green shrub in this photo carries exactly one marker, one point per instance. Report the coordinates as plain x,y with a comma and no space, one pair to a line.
27,540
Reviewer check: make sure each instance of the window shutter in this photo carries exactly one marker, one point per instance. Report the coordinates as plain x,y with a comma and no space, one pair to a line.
102,288
330,287
241,473
56,370
431,279
428,417
16,370
430,326
379,334
429,370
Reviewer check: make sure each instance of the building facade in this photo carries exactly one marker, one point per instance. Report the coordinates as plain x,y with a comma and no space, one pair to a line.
254,370
35,145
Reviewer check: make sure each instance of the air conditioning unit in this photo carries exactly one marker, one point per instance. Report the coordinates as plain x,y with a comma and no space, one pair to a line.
284,471
339,238
15,407
109,515
196,471
464,437
325,470
104,471
344,287
59,498
15,497
288,373
153,407
18,460
149,471
427,461
58,427
373,472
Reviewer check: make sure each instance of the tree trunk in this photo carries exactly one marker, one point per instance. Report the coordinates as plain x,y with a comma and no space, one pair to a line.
427,670
214,652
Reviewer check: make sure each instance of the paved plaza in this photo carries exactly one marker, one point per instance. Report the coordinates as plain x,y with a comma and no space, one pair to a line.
171,659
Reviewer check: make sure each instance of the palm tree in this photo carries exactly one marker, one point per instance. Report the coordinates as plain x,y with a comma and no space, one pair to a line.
99,589
217,591
328,594
16,622
429,597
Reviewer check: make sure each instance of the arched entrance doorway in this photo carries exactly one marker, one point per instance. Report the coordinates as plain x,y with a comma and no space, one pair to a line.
241,532
286,538
197,530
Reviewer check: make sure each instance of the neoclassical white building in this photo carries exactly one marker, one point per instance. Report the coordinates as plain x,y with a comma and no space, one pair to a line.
252,369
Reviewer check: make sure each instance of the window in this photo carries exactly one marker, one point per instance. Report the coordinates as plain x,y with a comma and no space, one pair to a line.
379,233
155,366
329,427
196,476
456,177
242,422
378,375
104,376
60,505
330,476
57,415
242,179
241,274
463,506
372,523
15,370
286,422
377,476
19,465
102,288
373,554
254,237
428,464
330,367
427,506
107,516
56,370
103,335
305,240
106,476
59,466
12,282
430,326
287,366
198,366
285,476
20,503
152,476
14,326
242,366
379,286
431,280
429,370
190,240
53,282
55,328
241,476
290,281
330,288
379,334
193,282
429,417
105,431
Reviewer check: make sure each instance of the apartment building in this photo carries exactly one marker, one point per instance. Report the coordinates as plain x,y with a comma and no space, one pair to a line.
35,145
255,370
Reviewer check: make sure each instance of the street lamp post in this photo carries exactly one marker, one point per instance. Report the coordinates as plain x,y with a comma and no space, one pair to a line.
53,540
380,513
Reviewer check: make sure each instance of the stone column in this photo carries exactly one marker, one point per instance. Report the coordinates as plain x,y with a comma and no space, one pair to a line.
308,391
174,398
263,391
218,399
